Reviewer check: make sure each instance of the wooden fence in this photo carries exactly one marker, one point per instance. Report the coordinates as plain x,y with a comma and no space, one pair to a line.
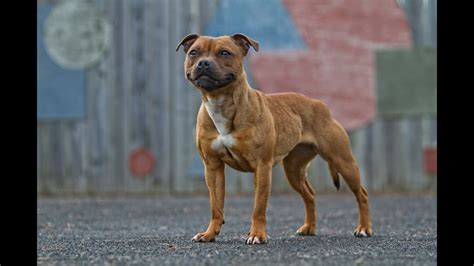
137,97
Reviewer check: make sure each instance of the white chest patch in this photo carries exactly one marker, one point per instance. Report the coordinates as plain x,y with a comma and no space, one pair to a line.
221,142
225,139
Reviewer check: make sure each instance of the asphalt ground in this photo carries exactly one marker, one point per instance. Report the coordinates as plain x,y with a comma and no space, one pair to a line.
158,230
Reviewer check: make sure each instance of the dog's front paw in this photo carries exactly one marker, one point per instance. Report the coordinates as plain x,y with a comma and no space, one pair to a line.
256,238
363,231
204,237
306,230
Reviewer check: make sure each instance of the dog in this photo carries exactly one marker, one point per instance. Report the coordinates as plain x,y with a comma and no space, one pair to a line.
251,131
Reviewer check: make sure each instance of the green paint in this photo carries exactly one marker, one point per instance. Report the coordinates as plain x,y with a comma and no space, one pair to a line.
406,81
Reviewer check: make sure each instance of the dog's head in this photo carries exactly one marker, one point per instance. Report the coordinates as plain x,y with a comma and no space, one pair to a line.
213,63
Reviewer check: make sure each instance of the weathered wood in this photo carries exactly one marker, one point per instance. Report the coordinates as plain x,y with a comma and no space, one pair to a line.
358,140
379,156
115,97
153,84
130,52
163,90
391,164
137,97
71,167
403,142
177,160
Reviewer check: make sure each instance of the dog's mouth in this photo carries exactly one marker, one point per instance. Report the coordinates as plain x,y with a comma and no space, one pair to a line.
204,76
209,82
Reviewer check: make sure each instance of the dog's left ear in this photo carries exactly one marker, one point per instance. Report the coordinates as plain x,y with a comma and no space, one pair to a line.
245,42
187,41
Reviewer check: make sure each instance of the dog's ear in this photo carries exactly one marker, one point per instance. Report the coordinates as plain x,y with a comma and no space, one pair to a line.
187,41
245,42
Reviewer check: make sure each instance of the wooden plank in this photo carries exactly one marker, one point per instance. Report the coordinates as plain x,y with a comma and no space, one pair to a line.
140,89
368,161
95,128
130,52
95,150
57,170
39,157
358,142
50,157
71,167
64,140
433,140
163,74
428,139
113,85
47,158
77,143
416,154
391,150
43,157
172,59
403,155
379,156
153,84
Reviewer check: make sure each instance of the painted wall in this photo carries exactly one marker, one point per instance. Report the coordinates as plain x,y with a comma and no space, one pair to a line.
136,97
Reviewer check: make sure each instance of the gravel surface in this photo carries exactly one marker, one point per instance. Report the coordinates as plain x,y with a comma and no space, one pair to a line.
158,230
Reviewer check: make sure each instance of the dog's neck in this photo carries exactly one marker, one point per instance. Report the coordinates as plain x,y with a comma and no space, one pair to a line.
222,106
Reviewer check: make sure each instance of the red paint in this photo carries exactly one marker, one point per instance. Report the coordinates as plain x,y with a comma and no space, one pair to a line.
141,162
337,65
430,160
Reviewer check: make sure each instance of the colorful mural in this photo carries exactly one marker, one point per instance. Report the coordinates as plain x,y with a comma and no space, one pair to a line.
328,48
60,92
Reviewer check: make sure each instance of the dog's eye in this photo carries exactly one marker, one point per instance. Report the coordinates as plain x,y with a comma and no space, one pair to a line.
224,53
193,52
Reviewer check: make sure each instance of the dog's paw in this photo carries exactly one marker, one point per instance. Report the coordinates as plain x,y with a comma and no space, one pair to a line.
363,231
306,230
204,237
254,240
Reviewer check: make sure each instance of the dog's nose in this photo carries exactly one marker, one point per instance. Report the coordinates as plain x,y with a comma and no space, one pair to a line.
204,64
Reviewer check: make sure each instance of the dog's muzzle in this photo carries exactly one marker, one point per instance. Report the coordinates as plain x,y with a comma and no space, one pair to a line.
206,79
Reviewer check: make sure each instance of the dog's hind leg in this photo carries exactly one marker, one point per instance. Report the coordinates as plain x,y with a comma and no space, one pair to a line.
336,150
350,172
296,165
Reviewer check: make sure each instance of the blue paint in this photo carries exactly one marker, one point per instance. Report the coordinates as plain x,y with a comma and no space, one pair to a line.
60,92
266,21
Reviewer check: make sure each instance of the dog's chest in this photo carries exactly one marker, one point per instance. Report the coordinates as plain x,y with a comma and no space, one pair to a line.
225,144
225,139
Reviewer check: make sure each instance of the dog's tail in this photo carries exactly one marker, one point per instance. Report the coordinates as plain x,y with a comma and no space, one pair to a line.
335,175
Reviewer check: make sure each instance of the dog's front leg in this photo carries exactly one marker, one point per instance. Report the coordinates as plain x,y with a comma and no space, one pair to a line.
215,180
262,182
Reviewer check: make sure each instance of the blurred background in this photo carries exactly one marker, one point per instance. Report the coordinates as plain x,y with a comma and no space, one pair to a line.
116,115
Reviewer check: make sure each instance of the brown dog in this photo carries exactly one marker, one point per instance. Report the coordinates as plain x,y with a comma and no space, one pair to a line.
251,132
